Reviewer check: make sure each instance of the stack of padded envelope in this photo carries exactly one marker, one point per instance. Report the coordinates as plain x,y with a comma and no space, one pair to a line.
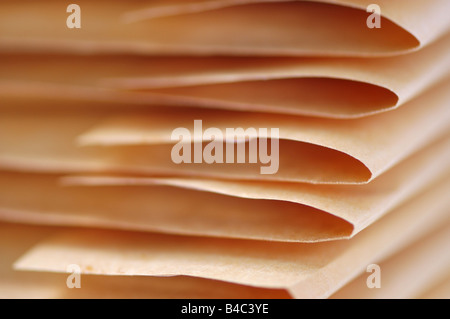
87,176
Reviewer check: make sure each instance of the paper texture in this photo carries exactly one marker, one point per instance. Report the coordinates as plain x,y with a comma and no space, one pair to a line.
355,87
358,205
117,119
408,273
374,144
406,14
16,239
440,291
296,28
331,151
300,268
41,199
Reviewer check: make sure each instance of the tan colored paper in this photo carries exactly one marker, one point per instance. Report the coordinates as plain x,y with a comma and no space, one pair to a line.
28,142
306,270
355,87
41,199
406,14
408,273
86,117
439,291
295,28
214,208
358,205
16,239
332,151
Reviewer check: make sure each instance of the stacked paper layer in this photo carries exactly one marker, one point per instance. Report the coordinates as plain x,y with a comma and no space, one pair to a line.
362,174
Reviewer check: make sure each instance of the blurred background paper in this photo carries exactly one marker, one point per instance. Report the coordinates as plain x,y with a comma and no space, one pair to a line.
409,273
87,177
295,28
440,291
413,17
